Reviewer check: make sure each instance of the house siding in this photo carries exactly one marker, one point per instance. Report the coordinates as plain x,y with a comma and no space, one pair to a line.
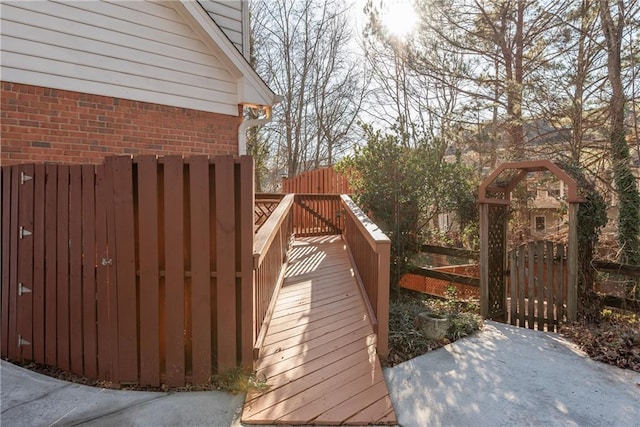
232,17
141,51
43,124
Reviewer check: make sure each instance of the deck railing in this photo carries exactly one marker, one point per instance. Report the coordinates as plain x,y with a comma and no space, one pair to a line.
317,214
271,244
369,249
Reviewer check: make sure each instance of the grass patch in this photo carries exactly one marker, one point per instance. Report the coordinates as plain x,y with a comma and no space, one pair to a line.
407,342
238,380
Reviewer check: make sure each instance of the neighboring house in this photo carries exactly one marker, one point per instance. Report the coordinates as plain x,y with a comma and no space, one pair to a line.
85,79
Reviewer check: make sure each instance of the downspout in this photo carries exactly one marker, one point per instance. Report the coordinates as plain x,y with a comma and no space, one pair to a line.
246,124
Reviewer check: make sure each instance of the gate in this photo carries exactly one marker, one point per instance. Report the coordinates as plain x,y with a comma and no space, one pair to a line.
537,285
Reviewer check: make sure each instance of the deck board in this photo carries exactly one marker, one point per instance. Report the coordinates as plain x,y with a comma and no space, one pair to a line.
319,357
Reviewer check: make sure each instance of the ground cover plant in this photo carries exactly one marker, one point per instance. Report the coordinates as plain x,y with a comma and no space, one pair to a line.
613,338
407,342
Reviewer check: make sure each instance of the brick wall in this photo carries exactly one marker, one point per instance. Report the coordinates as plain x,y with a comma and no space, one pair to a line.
42,124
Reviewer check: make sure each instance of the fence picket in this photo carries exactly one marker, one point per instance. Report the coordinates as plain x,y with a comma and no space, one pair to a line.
75,269
64,361
38,290
51,263
246,200
201,273
147,206
174,265
531,254
548,294
225,252
89,318
540,284
5,184
513,285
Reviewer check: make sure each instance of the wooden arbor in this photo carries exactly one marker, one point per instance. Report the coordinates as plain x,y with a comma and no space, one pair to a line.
494,198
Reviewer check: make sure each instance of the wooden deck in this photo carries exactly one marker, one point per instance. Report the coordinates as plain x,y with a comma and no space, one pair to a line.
319,357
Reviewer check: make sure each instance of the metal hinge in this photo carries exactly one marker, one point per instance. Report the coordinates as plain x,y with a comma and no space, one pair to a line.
22,341
22,289
24,178
24,232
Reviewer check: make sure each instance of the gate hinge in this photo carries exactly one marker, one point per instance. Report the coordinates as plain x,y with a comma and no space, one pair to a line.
24,232
22,289
22,341
24,178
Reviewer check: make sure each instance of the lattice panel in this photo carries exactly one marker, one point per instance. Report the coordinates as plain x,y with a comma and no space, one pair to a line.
262,211
498,216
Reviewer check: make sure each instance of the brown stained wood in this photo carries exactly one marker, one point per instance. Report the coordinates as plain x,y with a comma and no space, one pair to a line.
226,278
25,263
14,349
540,284
111,266
201,278
127,300
531,284
102,278
174,261
63,337
50,270
75,268
522,253
513,287
5,184
548,294
559,296
89,316
38,290
147,209
320,352
246,202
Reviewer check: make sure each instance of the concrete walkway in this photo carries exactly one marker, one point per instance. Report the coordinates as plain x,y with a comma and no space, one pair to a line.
509,376
503,376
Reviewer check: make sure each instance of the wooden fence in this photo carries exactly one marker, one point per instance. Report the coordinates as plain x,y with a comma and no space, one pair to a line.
319,181
134,271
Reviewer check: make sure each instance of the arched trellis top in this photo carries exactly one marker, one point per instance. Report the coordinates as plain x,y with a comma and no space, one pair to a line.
505,178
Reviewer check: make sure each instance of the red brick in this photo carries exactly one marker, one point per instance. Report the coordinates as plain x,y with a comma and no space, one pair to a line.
83,128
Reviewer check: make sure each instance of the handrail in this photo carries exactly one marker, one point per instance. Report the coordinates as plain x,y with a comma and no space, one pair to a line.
371,231
269,230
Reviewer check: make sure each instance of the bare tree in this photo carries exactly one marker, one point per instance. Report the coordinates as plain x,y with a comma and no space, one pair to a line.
302,53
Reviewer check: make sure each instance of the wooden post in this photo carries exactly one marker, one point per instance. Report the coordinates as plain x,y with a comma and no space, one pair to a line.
484,260
572,263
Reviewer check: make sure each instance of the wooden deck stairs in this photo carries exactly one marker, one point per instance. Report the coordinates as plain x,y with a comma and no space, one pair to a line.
319,358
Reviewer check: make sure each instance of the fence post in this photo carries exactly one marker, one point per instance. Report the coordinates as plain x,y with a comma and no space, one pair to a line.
572,263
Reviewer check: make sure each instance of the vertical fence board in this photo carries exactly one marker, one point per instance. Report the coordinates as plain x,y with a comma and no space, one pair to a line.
25,262
14,350
245,229
5,180
147,205
102,272
531,283
51,264
540,283
174,262
89,316
551,322
226,280
522,254
201,274
125,269
513,286
75,268
38,263
63,268
559,298
111,296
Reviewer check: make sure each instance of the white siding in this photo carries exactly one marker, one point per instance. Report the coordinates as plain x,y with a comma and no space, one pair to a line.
134,50
230,16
